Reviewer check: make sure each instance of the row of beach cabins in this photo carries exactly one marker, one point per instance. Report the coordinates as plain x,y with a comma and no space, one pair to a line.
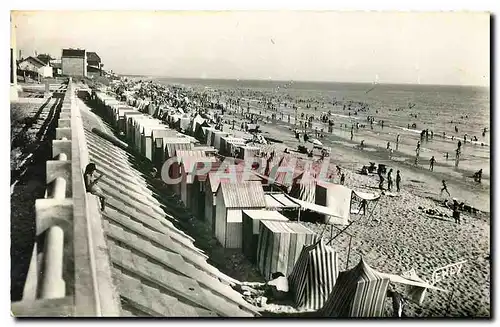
259,211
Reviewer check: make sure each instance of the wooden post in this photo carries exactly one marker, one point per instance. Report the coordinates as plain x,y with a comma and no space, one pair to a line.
348,253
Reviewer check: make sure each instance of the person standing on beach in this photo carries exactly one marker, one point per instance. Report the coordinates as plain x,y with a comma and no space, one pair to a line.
457,156
456,212
381,180
352,133
342,179
388,145
398,180
444,188
389,180
432,161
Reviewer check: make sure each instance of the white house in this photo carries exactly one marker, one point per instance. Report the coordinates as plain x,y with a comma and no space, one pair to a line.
35,65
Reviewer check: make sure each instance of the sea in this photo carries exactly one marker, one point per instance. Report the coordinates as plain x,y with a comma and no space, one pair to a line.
438,108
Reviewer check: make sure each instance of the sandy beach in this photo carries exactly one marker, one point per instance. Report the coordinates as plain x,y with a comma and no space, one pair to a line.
400,236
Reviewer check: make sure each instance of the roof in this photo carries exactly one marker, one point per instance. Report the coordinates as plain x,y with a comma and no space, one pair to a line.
157,269
288,227
173,144
73,53
243,195
260,214
35,61
92,56
217,177
45,58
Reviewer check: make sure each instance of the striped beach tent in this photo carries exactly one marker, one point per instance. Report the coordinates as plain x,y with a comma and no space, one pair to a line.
279,246
314,275
304,187
359,292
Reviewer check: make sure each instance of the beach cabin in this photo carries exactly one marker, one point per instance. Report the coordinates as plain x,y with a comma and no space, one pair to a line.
129,134
198,128
136,127
229,145
158,134
147,137
250,229
188,160
195,123
172,144
139,127
216,137
213,181
120,113
184,123
201,187
208,131
210,151
248,151
231,199
280,244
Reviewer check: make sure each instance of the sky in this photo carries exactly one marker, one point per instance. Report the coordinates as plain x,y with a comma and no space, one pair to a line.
390,47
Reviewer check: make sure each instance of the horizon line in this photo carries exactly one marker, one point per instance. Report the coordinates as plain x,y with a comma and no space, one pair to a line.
307,81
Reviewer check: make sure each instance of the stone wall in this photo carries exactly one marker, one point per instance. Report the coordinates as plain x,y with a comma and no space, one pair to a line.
74,67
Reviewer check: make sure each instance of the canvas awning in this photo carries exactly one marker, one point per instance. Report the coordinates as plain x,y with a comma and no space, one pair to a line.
279,201
287,202
367,196
402,280
333,219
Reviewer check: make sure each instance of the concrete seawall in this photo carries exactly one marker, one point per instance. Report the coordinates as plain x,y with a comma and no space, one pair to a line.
129,260
69,273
